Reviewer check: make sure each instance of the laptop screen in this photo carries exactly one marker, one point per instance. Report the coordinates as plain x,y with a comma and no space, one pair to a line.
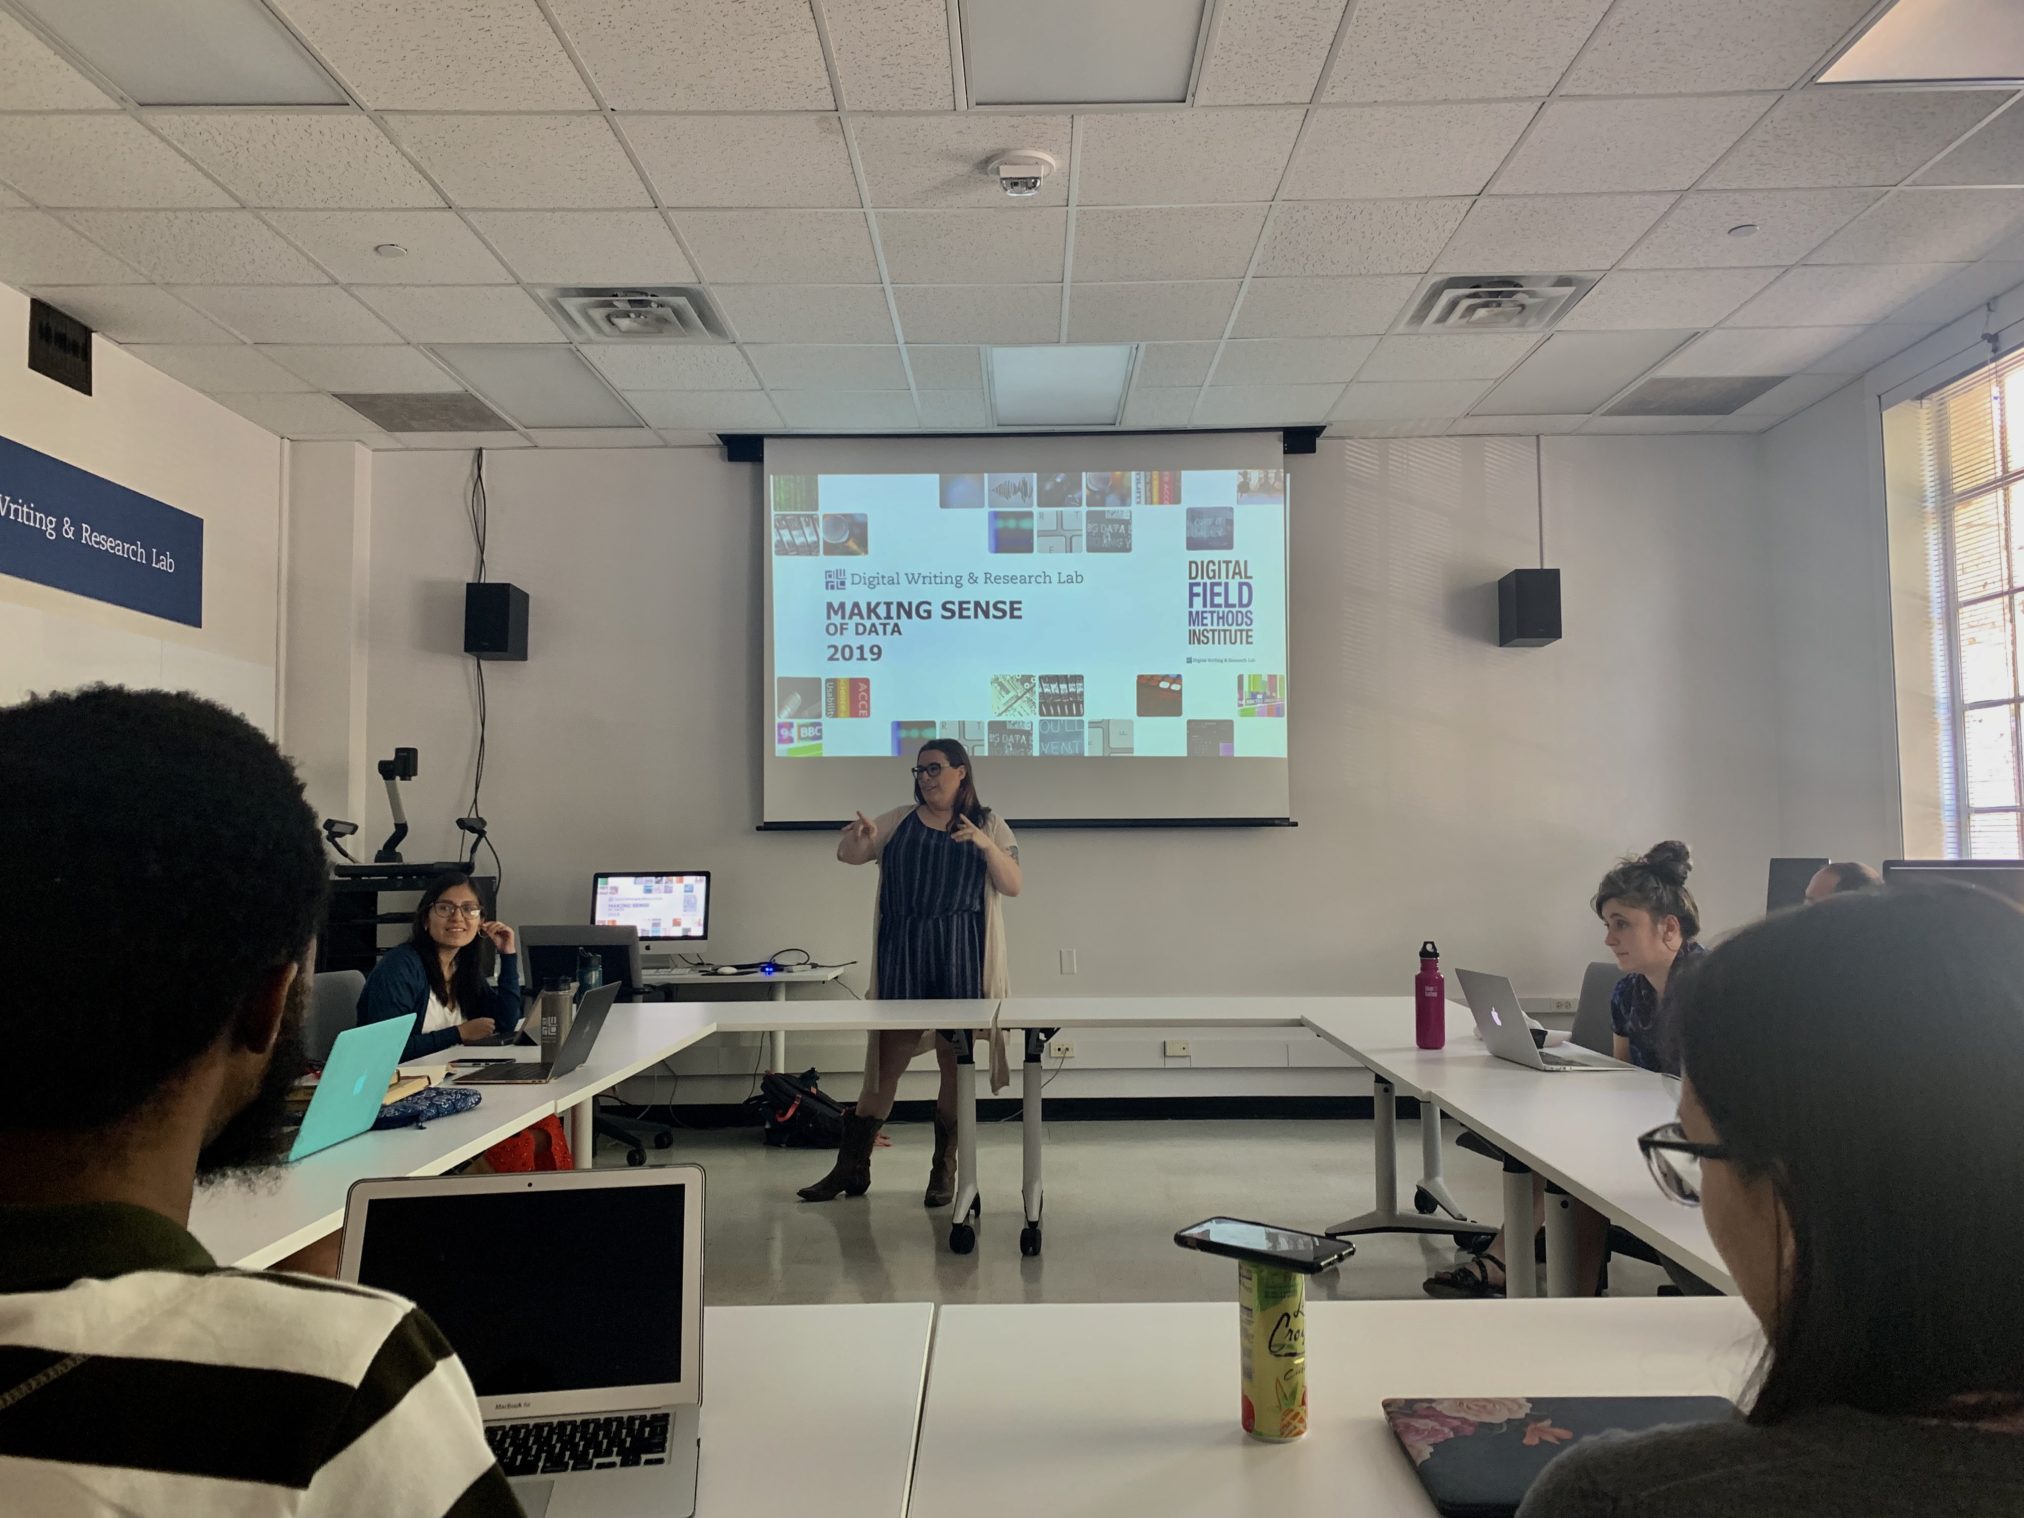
521,1286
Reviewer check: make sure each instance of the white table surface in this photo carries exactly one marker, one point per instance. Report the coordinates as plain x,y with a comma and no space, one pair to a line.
1111,1409
1162,1011
684,975
822,1401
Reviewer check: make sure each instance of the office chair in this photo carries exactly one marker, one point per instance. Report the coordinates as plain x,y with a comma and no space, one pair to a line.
1592,1027
333,1007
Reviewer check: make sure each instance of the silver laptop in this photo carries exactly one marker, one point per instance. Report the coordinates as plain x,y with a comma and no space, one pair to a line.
1501,1021
583,1031
591,1390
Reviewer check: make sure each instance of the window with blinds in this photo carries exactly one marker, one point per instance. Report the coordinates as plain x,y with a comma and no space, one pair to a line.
1973,438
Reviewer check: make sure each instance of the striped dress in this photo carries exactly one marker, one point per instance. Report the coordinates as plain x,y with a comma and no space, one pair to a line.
137,1378
930,916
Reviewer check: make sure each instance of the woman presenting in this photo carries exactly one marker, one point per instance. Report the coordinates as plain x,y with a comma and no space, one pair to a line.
944,864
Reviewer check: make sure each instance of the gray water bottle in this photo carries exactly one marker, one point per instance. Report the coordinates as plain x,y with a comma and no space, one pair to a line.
556,1006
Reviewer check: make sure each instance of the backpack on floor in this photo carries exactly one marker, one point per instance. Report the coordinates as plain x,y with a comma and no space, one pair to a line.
797,1114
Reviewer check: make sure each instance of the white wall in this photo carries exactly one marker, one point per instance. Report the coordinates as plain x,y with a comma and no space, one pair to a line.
145,431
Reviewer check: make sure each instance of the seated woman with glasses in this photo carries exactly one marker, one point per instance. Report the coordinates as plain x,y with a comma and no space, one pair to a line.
1850,1124
434,976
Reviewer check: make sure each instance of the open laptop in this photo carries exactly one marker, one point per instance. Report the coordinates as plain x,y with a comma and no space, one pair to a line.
1501,1021
590,1014
353,1084
591,1393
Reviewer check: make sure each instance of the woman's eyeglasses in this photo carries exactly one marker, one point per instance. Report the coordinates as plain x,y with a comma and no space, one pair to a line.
469,911
929,771
1675,1161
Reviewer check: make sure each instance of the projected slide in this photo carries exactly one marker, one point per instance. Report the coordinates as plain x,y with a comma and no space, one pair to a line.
1055,616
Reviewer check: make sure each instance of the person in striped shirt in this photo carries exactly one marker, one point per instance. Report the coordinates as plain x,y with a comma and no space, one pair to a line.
164,884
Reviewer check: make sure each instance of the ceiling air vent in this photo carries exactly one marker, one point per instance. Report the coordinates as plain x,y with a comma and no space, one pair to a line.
1694,397
428,411
1494,302
637,314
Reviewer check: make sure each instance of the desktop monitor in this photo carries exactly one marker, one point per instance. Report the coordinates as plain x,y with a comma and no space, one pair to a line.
1789,878
663,908
2005,877
548,950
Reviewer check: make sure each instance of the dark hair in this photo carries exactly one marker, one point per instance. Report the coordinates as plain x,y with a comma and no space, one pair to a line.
1656,881
166,830
1851,876
967,804
1858,1053
464,987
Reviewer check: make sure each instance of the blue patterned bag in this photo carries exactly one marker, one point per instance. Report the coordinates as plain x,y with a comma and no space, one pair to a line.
427,1106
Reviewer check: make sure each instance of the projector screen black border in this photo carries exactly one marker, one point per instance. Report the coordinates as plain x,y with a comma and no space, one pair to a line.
750,447
1031,823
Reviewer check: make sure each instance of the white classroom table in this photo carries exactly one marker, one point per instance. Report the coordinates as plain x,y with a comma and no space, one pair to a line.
1109,1408
775,983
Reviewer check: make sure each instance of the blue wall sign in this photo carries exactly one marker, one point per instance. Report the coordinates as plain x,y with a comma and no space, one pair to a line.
64,527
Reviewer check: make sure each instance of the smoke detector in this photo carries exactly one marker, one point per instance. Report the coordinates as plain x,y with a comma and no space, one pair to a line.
636,314
1494,302
1019,173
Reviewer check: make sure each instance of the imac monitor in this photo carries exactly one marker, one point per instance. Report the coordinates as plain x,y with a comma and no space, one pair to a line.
2005,877
665,908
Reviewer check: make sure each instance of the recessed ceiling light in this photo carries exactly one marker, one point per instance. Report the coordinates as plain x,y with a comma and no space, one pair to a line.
195,52
538,384
390,250
1744,229
1059,385
1968,42
1081,52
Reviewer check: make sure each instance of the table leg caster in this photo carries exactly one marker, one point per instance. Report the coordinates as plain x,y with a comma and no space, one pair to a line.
1029,1240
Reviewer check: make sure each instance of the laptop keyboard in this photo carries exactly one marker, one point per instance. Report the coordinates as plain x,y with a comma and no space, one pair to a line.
563,1445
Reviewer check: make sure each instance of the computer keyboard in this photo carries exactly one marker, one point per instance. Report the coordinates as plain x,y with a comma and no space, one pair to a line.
563,1445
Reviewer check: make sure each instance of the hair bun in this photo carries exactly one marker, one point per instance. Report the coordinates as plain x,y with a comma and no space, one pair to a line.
1669,861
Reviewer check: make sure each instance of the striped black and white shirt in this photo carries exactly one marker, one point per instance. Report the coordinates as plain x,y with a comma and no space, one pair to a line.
138,1378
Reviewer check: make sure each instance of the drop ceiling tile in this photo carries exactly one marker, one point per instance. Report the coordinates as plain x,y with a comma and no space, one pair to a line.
1550,233
463,442
1408,49
1646,426
442,250
892,55
828,366
705,410
1418,400
1602,145
939,160
1577,371
1433,427
979,313
1632,298
1755,350
1324,237
769,161
217,367
199,247
1162,365
1795,395
1960,293
1515,426
954,408
38,249
300,416
945,368
1291,361
1869,346
1127,313
781,247
1656,47
859,411
671,366
544,163
1347,307
289,313
308,159
1011,247
447,55
1467,356
462,313
1993,156
1266,405
1199,157
34,77
129,313
1267,52
1826,137
1694,234
675,439
1155,407
807,313
585,247
1838,294
1165,242
364,369
700,55
1375,151
9,200
594,437
100,159
1925,227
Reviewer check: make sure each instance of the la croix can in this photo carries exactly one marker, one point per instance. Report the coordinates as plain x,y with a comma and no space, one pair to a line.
1272,1332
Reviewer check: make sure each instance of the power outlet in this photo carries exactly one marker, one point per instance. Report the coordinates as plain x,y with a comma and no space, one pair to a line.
1563,1004
1068,962
1061,1048
1178,1048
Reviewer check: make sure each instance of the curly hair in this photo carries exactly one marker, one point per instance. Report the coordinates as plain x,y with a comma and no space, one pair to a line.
1656,881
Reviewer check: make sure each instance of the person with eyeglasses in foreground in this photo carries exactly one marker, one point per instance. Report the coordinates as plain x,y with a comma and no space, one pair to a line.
136,1376
1850,1123
945,862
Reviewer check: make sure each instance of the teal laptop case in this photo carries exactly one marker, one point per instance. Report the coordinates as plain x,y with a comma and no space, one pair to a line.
355,1077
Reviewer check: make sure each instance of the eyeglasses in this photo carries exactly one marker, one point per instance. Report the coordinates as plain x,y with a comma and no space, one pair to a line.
470,911
928,771
1675,1161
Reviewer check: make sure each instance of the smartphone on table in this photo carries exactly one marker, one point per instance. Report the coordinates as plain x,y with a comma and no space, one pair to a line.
1307,1254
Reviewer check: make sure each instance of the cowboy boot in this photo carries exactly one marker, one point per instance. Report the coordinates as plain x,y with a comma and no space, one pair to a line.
851,1175
942,1173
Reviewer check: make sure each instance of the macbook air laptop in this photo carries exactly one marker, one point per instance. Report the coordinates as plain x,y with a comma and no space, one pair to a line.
1501,1021
353,1084
590,1014
591,1392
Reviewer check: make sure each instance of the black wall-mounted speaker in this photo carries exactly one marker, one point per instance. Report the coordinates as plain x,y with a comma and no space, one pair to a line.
59,346
1528,608
743,447
495,621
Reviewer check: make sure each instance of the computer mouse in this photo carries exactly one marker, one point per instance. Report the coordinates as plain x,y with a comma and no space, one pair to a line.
725,970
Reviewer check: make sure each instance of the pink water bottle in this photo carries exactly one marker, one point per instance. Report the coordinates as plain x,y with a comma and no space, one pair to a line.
1430,1000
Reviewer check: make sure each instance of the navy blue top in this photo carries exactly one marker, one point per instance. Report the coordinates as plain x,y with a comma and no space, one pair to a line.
1637,1012
399,987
